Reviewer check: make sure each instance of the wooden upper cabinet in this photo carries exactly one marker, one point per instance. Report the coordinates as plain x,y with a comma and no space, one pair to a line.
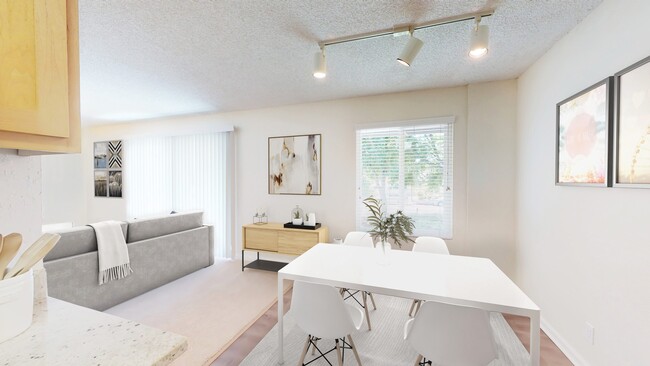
39,75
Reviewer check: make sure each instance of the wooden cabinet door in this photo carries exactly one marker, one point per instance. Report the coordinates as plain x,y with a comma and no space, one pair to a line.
34,67
261,239
296,242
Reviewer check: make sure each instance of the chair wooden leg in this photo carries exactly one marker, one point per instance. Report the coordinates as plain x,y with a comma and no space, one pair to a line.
313,349
372,299
412,307
304,352
418,360
338,353
365,308
354,350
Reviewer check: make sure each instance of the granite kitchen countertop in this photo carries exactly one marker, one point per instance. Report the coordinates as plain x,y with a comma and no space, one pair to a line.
66,334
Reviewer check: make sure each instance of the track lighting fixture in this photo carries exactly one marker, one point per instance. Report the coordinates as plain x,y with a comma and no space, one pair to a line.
410,51
478,46
320,69
479,43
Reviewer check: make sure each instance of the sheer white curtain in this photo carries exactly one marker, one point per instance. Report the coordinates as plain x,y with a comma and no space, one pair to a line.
181,173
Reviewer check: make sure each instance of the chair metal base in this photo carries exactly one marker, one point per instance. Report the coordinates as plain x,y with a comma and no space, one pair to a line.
421,361
340,346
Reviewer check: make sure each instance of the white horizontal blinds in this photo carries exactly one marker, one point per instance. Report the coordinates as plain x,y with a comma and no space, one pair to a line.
181,173
200,182
410,169
147,176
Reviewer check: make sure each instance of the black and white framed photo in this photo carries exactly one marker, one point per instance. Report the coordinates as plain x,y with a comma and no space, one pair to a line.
101,183
115,183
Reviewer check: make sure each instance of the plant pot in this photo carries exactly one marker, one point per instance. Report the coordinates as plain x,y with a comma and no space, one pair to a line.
296,221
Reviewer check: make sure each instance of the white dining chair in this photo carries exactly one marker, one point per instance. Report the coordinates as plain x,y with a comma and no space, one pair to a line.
451,335
430,244
427,244
362,239
320,311
359,238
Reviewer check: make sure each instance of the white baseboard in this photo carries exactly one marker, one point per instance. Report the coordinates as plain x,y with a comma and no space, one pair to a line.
568,351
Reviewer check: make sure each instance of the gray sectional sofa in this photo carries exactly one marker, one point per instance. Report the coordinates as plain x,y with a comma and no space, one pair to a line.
161,250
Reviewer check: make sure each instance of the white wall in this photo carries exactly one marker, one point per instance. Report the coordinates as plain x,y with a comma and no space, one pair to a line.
492,106
583,254
20,195
63,189
491,159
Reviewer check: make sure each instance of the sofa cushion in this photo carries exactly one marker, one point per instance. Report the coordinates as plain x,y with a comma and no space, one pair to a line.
75,241
142,229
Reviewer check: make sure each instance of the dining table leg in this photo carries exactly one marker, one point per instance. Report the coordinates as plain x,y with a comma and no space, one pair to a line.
280,320
534,339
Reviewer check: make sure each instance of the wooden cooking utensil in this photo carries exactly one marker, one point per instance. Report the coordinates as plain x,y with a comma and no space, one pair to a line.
10,245
33,254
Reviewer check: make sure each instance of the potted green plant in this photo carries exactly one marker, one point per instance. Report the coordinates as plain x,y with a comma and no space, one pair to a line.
396,227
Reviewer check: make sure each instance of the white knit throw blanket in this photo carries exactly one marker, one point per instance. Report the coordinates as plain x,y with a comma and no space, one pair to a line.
112,251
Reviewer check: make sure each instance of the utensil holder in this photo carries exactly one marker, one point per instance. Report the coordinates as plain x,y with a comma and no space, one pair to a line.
16,305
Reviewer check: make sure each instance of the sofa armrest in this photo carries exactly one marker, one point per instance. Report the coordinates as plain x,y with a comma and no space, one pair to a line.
211,244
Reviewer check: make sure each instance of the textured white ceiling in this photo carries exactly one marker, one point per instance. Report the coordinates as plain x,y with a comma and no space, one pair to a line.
153,58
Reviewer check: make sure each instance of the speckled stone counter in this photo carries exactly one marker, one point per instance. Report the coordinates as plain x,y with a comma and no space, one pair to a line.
67,334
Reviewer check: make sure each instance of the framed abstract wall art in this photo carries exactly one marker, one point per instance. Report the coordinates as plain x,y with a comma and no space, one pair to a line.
632,127
583,134
295,165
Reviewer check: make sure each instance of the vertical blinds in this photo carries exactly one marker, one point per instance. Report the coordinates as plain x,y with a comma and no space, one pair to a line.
410,168
181,173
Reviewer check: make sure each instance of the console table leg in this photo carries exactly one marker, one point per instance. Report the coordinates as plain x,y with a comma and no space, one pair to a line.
242,260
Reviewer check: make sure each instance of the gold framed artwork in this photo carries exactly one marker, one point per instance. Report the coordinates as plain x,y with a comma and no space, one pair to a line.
295,165
583,134
632,128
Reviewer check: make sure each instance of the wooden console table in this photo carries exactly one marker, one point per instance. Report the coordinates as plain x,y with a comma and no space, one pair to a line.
275,238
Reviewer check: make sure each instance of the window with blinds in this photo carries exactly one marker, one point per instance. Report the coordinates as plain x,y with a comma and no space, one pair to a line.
408,167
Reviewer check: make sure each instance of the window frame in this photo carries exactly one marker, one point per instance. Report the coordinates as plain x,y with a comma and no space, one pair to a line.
447,230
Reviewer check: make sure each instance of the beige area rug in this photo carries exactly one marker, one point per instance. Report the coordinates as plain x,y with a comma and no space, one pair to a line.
211,307
384,345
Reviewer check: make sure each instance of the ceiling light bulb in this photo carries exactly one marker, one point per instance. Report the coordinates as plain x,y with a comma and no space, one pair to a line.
479,44
410,51
320,70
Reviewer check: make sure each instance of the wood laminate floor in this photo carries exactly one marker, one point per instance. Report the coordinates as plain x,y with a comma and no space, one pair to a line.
238,350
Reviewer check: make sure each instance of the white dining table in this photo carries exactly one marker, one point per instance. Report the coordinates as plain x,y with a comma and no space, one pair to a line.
458,280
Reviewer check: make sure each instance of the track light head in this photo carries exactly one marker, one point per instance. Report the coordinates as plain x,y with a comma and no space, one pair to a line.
479,43
410,51
320,68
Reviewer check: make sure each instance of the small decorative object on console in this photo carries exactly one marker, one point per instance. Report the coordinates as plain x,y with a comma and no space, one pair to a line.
260,218
311,219
297,215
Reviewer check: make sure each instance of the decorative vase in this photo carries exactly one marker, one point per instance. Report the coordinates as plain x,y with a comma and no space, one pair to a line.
297,215
383,250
